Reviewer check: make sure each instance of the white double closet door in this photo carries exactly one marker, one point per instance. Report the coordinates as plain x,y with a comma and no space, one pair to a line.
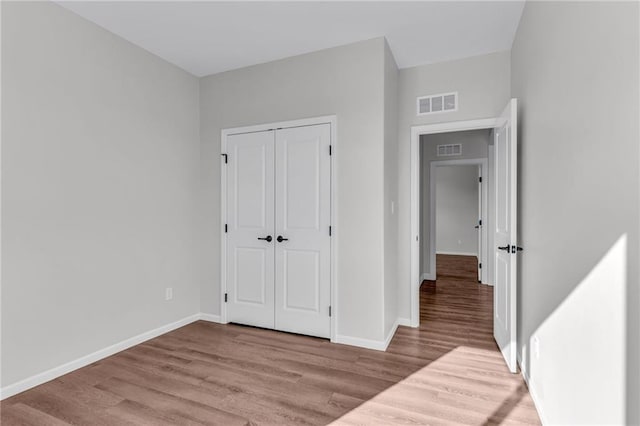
278,235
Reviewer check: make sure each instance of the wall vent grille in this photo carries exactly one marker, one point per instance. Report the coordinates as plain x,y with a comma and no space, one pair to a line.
432,104
450,150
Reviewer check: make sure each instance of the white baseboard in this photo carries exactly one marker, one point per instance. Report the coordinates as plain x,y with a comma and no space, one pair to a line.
68,367
536,400
378,345
55,372
406,322
211,318
427,276
392,333
457,253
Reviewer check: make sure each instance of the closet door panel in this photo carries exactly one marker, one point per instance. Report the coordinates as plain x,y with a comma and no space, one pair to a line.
250,222
302,252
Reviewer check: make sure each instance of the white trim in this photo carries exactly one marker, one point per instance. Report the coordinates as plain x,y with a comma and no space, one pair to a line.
211,318
70,366
223,223
55,372
404,322
427,276
378,345
332,120
534,396
457,253
311,121
392,332
414,228
484,164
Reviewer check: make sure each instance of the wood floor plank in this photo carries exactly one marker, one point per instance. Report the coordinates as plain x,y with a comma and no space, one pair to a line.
158,381
136,413
169,404
23,415
447,371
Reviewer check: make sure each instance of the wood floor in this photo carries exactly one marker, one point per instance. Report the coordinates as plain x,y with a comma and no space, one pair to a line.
448,371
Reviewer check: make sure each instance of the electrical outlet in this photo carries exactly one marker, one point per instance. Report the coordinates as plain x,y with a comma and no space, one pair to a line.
168,293
536,347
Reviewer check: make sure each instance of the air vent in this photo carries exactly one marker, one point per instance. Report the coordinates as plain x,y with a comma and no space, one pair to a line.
449,150
444,102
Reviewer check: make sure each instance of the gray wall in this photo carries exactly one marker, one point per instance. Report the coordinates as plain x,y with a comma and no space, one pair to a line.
475,144
457,210
483,86
575,73
390,190
100,151
349,82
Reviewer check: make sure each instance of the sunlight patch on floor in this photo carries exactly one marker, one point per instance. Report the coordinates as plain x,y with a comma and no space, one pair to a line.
465,386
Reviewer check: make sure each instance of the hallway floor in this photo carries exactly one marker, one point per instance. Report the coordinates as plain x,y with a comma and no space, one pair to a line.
448,371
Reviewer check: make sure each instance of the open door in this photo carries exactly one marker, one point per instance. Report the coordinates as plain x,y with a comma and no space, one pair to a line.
479,226
504,299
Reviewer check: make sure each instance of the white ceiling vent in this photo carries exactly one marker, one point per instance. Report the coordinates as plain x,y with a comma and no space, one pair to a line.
444,102
449,150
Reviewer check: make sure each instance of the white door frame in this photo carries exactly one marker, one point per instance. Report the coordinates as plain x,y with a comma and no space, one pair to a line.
333,276
484,167
414,237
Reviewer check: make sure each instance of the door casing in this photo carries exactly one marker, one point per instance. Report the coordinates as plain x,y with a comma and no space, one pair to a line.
414,225
332,121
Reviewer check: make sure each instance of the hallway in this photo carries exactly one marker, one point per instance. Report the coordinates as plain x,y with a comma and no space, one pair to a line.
447,371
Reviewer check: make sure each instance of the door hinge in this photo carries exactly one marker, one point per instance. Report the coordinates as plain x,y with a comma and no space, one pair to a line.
329,310
480,179
480,222
225,298
225,228
329,230
479,265
226,158
330,153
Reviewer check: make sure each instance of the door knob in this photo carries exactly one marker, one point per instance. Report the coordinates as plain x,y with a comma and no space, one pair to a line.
267,238
505,248
281,239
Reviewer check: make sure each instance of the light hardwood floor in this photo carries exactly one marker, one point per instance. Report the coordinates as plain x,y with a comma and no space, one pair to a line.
449,371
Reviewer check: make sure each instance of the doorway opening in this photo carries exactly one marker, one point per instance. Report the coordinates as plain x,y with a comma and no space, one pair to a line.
459,215
500,239
455,208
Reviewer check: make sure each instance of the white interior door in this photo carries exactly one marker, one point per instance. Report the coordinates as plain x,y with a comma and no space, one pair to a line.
504,299
480,225
250,226
302,257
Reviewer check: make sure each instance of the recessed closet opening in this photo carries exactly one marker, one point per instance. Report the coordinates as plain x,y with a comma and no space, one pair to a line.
278,221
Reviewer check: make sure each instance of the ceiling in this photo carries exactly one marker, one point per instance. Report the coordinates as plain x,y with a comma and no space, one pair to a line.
210,37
